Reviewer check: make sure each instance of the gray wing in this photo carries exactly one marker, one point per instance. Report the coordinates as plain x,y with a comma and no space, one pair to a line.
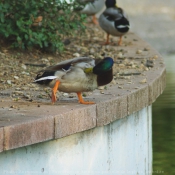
113,14
67,63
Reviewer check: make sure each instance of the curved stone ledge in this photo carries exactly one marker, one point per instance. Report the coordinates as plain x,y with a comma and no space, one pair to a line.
33,124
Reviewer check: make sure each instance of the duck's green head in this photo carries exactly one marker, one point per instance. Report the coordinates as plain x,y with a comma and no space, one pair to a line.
103,66
111,3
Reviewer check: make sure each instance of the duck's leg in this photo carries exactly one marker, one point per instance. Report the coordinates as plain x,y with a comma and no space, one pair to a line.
94,19
54,90
120,41
107,39
81,99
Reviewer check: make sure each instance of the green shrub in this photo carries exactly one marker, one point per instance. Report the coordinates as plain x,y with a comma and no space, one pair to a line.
19,22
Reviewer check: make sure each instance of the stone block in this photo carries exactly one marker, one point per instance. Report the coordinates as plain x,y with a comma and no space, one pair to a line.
138,99
75,121
28,133
110,110
157,86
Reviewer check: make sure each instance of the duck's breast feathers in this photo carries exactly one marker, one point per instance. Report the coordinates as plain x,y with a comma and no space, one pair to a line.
105,78
103,70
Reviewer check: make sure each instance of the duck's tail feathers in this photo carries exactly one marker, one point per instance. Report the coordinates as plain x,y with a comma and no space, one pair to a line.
44,78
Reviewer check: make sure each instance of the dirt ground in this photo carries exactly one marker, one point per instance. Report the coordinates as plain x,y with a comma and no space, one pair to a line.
152,21
19,68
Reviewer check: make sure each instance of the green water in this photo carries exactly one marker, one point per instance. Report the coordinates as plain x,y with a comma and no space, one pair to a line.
164,125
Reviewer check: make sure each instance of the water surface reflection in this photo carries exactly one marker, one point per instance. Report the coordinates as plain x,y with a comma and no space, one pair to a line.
164,125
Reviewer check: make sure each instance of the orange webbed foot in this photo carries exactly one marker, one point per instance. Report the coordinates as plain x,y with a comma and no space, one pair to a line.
107,40
82,101
106,43
54,90
53,98
94,20
120,41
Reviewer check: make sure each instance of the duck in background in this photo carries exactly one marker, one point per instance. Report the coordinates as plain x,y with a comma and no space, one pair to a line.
114,21
92,7
77,75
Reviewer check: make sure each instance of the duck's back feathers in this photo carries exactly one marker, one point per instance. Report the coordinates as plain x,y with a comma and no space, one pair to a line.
114,21
45,77
70,73
122,25
68,63
94,7
113,13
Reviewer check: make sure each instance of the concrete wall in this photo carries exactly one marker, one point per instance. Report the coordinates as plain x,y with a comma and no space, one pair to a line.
123,147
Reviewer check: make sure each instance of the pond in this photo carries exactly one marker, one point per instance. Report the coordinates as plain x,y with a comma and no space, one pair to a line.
164,125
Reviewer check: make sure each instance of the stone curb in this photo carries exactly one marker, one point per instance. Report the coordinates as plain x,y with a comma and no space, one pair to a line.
35,123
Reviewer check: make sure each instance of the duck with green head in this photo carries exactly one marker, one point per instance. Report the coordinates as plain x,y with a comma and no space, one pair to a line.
77,75
114,21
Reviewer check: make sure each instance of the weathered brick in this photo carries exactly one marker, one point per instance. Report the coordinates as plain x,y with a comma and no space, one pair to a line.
75,121
110,110
138,99
28,133
157,86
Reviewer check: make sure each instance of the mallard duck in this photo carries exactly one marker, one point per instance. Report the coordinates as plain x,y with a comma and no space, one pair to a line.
76,75
114,21
92,7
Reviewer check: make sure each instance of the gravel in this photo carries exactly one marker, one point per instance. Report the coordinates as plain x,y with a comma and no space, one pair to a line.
19,68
